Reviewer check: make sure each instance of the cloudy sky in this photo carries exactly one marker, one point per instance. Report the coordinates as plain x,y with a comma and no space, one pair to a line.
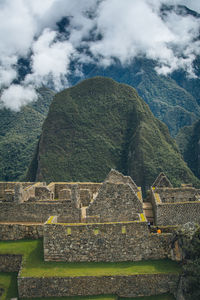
106,29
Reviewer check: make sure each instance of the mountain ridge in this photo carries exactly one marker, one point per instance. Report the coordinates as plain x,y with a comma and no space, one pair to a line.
94,127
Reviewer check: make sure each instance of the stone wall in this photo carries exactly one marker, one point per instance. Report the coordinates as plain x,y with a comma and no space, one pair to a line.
38,211
10,263
116,177
123,286
115,202
174,213
5,186
125,241
91,187
175,195
177,213
19,231
42,192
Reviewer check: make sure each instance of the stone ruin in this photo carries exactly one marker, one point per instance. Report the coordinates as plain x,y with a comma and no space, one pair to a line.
174,206
92,222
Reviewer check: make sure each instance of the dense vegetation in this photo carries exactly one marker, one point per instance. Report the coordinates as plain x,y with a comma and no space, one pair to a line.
172,99
101,124
189,240
188,141
19,133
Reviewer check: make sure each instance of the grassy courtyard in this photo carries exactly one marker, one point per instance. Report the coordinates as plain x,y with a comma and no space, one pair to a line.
35,266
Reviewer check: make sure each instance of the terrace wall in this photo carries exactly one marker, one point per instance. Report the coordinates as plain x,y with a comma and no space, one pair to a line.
20,231
125,241
123,286
10,263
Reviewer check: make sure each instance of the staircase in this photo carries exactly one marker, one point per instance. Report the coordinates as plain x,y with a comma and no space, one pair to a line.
148,212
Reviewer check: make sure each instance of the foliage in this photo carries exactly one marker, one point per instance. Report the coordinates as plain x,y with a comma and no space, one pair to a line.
19,133
188,141
173,99
101,124
8,281
190,244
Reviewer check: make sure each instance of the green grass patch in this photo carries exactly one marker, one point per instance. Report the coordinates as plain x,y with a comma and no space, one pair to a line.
8,281
34,265
103,297
158,297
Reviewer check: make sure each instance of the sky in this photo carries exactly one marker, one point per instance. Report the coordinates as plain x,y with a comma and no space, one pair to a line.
130,28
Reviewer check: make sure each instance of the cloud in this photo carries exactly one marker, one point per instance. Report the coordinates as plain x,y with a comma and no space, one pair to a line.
138,29
107,29
50,61
17,96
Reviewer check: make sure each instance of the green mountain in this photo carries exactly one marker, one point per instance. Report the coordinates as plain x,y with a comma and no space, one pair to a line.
19,134
100,124
188,141
173,100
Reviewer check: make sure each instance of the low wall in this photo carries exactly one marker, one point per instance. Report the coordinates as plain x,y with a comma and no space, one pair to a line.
123,286
10,263
20,231
38,211
122,241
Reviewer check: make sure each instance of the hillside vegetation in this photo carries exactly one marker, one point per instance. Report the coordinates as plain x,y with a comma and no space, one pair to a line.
19,133
100,124
172,99
188,141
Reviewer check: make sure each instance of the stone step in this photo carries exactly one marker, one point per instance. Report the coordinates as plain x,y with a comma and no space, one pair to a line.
147,205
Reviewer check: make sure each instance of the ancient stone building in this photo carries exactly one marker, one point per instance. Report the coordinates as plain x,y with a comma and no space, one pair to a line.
174,206
93,222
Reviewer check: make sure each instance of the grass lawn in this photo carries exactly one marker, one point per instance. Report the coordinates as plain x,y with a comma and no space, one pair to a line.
103,297
35,266
158,297
8,281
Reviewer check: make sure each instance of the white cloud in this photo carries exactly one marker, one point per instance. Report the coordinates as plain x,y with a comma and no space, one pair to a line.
50,60
128,28
17,96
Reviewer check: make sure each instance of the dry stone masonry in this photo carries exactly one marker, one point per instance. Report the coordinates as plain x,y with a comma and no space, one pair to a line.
93,222
174,206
